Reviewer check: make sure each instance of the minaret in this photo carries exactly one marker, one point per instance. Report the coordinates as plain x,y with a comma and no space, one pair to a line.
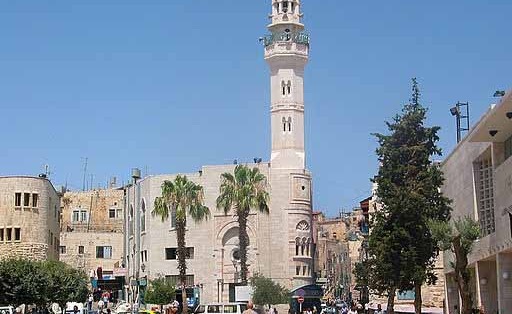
286,52
290,248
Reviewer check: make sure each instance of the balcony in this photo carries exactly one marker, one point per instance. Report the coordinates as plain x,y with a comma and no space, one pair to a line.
298,38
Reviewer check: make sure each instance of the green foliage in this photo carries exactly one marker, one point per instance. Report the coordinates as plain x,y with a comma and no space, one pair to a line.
458,236
64,283
241,191
160,291
40,283
266,291
464,229
402,249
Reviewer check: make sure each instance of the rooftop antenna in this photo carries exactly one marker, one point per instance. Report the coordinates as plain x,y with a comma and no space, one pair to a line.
85,172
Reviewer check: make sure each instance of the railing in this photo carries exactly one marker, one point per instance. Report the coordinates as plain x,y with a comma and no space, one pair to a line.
298,38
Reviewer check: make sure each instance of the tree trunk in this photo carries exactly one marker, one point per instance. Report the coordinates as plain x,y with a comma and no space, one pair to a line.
244,241
462,276
417,297
182,264
391,300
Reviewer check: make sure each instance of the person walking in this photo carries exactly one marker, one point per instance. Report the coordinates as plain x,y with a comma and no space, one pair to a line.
250,310
379,310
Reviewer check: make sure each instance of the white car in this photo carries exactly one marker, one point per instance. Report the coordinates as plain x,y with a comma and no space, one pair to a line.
221,308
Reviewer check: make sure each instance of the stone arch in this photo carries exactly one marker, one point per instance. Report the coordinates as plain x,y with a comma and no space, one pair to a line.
230,225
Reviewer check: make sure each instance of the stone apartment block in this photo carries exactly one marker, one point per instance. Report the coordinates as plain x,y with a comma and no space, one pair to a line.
29,218
92,230
478,178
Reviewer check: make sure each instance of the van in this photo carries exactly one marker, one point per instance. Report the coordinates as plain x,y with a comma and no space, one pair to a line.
216,308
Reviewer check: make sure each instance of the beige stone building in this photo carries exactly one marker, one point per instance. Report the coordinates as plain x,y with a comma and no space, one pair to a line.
478,178
29,218
331,259
92,232
280,242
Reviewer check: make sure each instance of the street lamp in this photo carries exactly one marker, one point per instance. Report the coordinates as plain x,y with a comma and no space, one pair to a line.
459,115
136,196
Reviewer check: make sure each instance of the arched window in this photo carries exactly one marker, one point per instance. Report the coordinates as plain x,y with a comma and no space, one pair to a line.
283,87
285,6
297,247
302,247
143,216
307,248
297,270
289,124
289,87
284,124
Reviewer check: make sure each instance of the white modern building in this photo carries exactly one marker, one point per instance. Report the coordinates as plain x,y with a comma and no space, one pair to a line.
478,178
150,244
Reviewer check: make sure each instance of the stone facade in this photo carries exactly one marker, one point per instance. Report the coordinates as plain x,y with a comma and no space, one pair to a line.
274,237
332,261
92,229
29,218
478,178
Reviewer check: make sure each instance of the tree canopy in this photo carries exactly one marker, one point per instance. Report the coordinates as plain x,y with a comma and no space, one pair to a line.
266,291
40,283
160,291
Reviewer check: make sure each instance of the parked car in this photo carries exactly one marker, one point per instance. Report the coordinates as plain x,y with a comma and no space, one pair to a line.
215,308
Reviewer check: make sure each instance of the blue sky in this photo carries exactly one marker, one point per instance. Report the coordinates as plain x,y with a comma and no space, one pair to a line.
169,86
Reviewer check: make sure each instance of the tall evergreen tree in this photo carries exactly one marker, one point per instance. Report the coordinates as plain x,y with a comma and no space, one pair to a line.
401,245
182,197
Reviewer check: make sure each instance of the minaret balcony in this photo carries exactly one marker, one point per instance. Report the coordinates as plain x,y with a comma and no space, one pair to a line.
285,37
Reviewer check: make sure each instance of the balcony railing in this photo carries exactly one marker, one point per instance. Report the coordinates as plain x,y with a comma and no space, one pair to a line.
298,38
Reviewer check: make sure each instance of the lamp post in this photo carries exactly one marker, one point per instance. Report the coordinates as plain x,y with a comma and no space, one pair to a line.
461,115
136,196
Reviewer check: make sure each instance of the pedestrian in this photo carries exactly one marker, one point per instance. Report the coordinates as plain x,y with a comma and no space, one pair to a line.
352,310
100,305
275,311
250,307
379,309
174,307
90,299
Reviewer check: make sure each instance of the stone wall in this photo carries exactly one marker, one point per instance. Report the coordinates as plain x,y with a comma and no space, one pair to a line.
32,251
81,238
96,204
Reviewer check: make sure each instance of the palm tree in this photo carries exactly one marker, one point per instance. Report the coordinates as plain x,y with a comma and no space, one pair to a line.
179,198
241,191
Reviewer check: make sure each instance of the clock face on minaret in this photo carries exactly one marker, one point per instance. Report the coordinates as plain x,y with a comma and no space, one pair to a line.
286,52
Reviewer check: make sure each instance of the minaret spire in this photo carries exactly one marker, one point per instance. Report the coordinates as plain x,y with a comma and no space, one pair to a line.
286,52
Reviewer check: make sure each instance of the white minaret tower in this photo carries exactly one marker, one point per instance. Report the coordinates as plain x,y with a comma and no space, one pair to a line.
286,51
289,251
